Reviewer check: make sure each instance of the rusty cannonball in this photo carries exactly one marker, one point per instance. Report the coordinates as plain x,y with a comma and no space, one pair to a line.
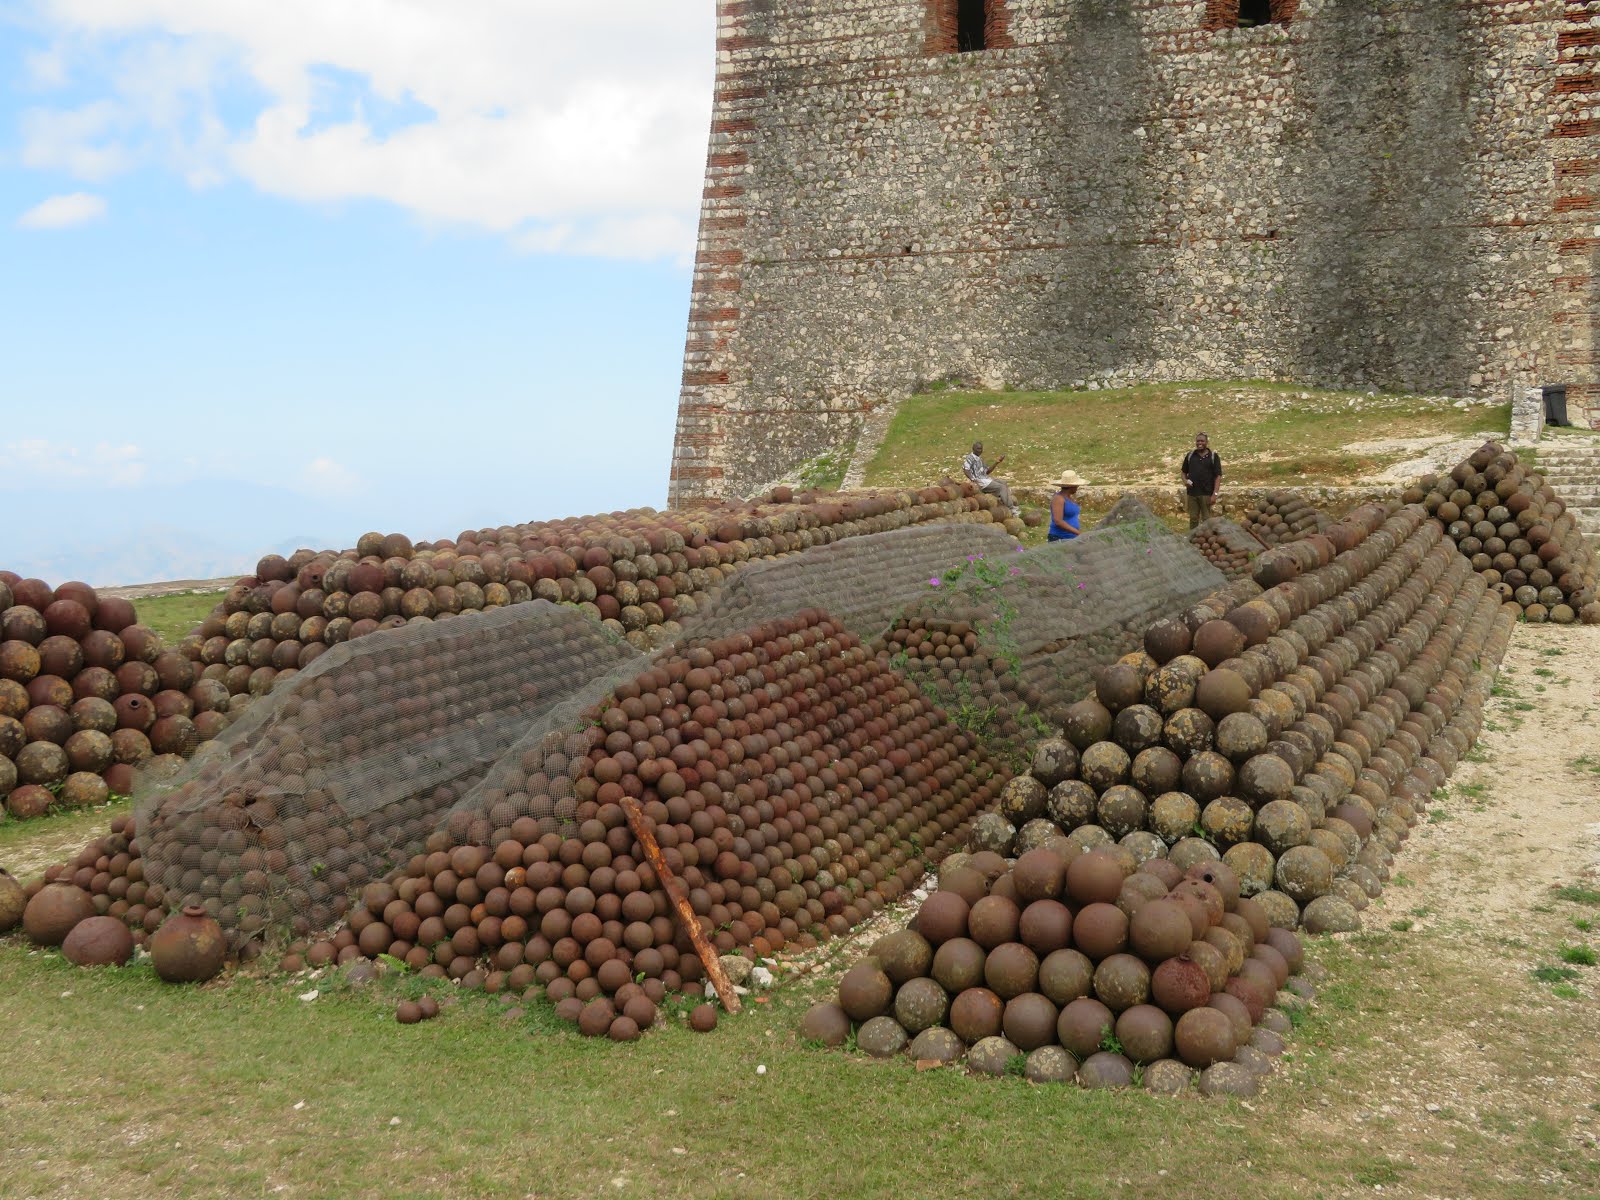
98,942
51,914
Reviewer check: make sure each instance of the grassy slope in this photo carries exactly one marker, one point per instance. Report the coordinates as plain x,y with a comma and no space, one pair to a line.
174,616
1266,433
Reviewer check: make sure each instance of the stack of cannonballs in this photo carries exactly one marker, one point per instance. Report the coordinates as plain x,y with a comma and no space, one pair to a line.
87,695
1518,535
793,783
1283,515
639,573
1294,736
1070,965
1226,546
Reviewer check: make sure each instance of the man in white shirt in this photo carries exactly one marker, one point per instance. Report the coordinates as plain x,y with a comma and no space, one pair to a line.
981,474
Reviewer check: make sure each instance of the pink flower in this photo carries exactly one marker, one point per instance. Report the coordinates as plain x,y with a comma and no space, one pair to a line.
935,581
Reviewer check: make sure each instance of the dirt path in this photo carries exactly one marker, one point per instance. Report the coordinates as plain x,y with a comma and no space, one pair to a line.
1480,1075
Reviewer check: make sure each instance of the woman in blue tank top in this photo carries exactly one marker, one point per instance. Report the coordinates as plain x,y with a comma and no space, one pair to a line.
1064,512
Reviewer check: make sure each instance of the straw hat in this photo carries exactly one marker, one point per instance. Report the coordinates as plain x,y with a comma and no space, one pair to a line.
1070,479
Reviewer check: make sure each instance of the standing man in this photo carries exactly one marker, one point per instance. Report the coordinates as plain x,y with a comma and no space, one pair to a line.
981,475
1202,477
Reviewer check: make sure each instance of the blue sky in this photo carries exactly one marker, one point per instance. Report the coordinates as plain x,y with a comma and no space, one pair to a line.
273,275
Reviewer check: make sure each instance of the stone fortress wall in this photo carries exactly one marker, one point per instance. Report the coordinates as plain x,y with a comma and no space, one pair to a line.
1389,193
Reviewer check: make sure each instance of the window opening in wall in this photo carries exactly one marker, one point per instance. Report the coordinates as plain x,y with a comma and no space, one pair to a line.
970,22
1254,12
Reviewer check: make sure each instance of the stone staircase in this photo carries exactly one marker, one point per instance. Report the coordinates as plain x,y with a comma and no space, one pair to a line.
1570,464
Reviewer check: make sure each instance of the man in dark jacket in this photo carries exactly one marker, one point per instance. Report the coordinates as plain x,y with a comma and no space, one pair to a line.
1202,477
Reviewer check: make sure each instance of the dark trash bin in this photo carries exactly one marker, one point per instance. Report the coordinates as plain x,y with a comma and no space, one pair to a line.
1555,404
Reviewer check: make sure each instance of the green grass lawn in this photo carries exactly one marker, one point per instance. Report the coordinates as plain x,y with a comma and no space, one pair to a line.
174,616
1266,433
116,1084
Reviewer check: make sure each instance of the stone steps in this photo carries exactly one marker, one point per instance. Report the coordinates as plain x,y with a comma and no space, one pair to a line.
1571,466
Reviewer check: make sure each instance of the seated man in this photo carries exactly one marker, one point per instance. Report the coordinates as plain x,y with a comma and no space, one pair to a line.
980,473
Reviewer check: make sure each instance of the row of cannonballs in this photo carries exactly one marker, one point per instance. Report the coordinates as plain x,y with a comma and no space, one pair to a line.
1295,735
1076,965
87,694
639,573
1518,535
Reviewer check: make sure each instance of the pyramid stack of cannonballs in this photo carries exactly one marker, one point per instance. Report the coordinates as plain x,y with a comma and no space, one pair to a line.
1518,535
638,573
1069,965
1295,735
87,695
1226,546
793,782
1283,515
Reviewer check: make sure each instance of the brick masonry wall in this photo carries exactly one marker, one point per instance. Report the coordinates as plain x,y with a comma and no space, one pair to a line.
1397,193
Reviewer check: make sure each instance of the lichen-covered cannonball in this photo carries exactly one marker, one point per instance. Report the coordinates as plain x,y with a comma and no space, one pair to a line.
1121,810
1265,777
991,1056
1055,760
938,1044
1304,873
1330,914
882,1037
1103,765
1168,1077
1022,799
1050,1064
1277,909
1254,864
1173,815
1085,723
920,1004
1281,825
1227,821
991,831
1071,804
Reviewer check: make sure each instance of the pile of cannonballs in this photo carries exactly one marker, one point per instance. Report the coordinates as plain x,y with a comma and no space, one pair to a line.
1076,966
1291,727
87,695
638,573
1226,546
792,780
1518,535
1283,515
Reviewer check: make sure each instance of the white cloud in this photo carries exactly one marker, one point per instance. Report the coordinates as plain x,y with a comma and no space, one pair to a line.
63,212
31,462
570,128
324,477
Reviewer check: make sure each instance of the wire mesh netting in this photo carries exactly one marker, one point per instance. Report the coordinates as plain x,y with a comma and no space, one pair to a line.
1006,644
863,583
332,780
485,729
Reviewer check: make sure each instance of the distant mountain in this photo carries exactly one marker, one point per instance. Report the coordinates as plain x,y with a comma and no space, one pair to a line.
196,530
